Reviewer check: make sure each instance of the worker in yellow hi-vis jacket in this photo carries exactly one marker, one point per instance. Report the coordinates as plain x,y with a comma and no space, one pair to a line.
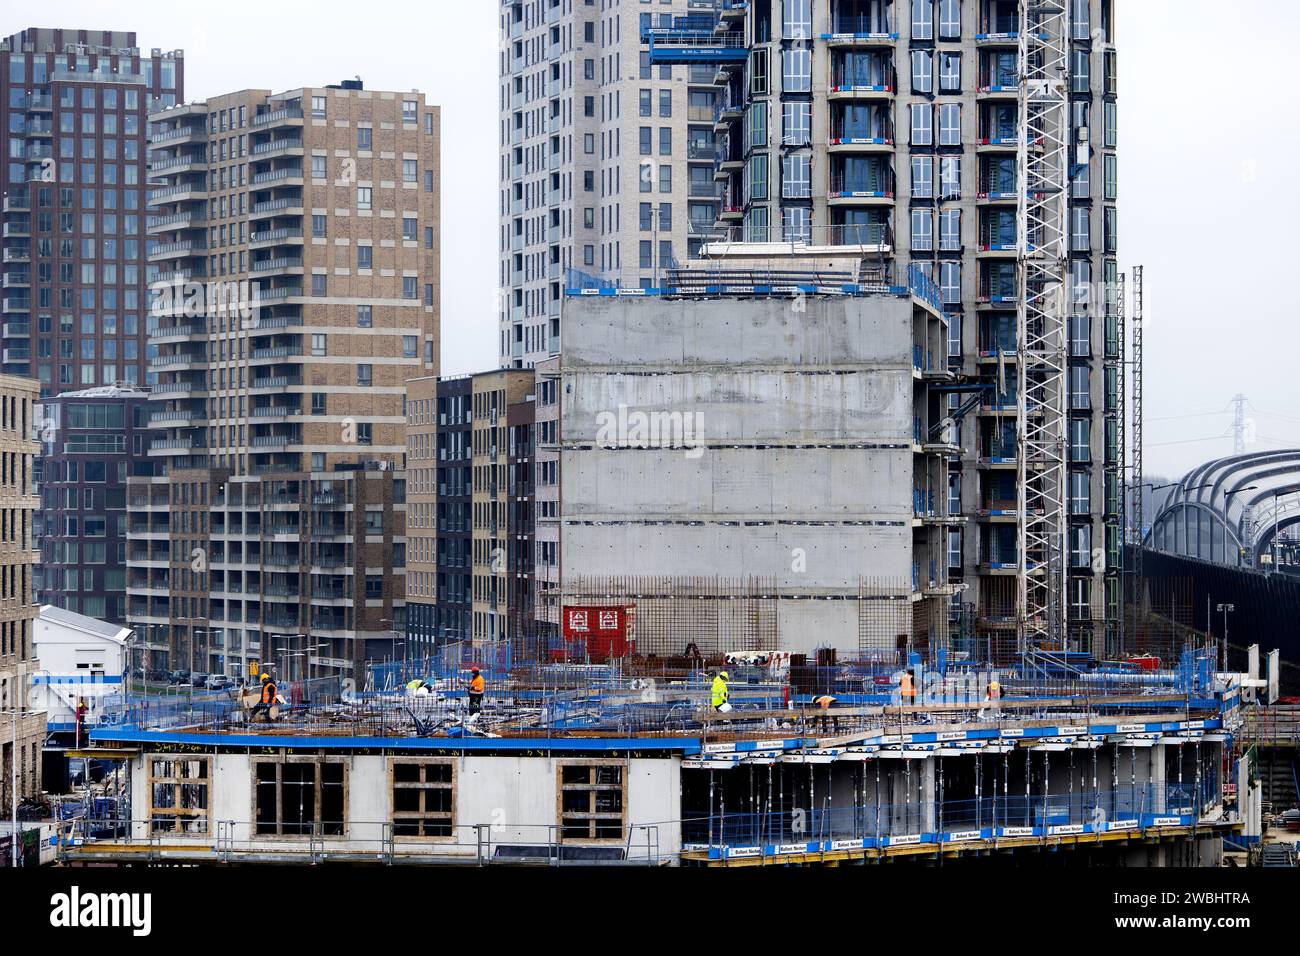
720,692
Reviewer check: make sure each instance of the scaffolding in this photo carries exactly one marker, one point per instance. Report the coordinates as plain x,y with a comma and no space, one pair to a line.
671,616
1043,154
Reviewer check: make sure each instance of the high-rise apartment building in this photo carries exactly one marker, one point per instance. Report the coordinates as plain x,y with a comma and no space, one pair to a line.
606,160
93,441
492,395
73,125
20,754
891,127
73,122
295,277
471,521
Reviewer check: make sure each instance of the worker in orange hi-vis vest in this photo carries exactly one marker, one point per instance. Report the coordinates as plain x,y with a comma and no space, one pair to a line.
477,687
907,688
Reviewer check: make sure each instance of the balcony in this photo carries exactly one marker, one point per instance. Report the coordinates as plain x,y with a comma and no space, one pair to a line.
181,220
275,382
285,116
286,146
180,192
163,251
193,163
278,177
288,235
180,331
178,137
275,353
864,31
266,267
273,208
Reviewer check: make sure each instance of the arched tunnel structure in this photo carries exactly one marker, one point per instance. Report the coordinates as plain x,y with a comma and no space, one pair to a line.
1230,510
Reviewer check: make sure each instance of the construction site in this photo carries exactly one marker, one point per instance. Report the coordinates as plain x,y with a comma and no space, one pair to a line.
627,763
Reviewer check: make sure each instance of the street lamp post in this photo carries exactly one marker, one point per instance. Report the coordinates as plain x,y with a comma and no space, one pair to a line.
1225,609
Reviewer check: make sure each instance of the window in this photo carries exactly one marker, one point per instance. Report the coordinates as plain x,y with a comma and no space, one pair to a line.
318,167
758,72
950,19
665,103
1080,439
318,227
364,138
949,72
922,20
364,197
796,176
922,124
950,282
299,798
1080,327
178,791
1080,493
922,72
1081,546
1080,394
365,374
318,343
922,230
1079,231
410,171
365,316
1080,79
318,287
796,124
922,177
592,801
317,107
950,230
950,124
796,20
424,798
365,257
796,71
796,224
950,177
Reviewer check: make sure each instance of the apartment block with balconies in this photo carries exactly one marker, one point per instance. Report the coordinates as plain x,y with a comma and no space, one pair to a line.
294,268
891,127
607,162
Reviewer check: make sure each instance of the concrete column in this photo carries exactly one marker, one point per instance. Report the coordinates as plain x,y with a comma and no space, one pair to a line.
929,794
1157,778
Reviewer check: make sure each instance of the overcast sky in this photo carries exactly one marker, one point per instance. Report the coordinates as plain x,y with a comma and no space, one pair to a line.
1208,140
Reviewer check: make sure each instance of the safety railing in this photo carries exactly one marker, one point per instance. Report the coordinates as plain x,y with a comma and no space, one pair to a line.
403,839
1139,807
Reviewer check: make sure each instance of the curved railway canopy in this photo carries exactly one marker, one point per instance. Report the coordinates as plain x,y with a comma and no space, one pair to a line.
1230,510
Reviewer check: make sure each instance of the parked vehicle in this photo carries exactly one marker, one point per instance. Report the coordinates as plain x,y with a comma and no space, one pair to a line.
178,677
220,682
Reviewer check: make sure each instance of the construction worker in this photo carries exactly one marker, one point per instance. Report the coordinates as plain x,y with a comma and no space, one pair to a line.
992,697
825,702
907,688
414,687
267,700
477,685
720,692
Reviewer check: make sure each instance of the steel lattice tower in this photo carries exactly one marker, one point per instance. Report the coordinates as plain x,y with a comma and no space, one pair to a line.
1043,164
